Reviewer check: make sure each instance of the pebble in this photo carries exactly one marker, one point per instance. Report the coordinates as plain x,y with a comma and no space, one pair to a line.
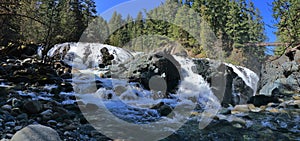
237,125
17,128
47,112
6,107
52,122
11,124
254,109
240,108
296,97
67,133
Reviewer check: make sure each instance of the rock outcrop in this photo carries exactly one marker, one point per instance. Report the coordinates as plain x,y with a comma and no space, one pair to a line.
282,73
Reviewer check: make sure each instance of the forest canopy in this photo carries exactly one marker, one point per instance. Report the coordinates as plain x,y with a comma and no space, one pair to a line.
236,26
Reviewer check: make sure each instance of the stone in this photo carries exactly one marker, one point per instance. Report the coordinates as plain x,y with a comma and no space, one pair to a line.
240,108
66,75
35,133
163,109
296,97
11,124
52,122
33,107
17,128
6,107
254,109
237,125
259,100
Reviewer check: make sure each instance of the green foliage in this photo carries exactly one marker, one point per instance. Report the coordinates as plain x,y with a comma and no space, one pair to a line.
46,21
287,14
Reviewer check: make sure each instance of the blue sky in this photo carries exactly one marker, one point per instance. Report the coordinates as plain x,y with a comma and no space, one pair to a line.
106,7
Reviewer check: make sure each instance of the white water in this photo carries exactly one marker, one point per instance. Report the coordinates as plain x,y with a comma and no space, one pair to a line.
77,52
193,85
249,77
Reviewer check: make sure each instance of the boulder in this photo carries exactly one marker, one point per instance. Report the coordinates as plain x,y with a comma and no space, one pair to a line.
159,67
260,100
35,133
225,83
32,107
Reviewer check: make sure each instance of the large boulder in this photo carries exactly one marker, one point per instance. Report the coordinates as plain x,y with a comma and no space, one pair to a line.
228,82
36,133
157,71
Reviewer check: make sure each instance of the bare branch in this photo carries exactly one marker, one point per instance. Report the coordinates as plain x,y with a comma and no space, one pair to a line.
25,16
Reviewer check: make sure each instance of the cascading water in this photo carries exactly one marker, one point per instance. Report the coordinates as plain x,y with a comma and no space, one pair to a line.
249,77
193,85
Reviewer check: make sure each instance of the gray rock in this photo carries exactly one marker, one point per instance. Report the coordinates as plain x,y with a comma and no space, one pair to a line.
36,133
291,83
271,71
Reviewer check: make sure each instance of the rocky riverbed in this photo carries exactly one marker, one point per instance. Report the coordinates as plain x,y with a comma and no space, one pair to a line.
34,92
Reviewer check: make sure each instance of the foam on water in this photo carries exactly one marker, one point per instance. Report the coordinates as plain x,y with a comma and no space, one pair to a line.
78,58
194,86
249,77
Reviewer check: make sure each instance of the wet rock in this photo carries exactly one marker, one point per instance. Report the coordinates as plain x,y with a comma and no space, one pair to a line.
156,64
163,109
36,132
32,107
260,100
67,87
66,75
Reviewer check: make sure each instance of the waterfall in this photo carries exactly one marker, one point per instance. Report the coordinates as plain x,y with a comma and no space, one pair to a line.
193,85
249,77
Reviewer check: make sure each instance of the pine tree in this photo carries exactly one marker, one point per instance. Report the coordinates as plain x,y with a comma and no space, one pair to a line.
287,14
115,30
